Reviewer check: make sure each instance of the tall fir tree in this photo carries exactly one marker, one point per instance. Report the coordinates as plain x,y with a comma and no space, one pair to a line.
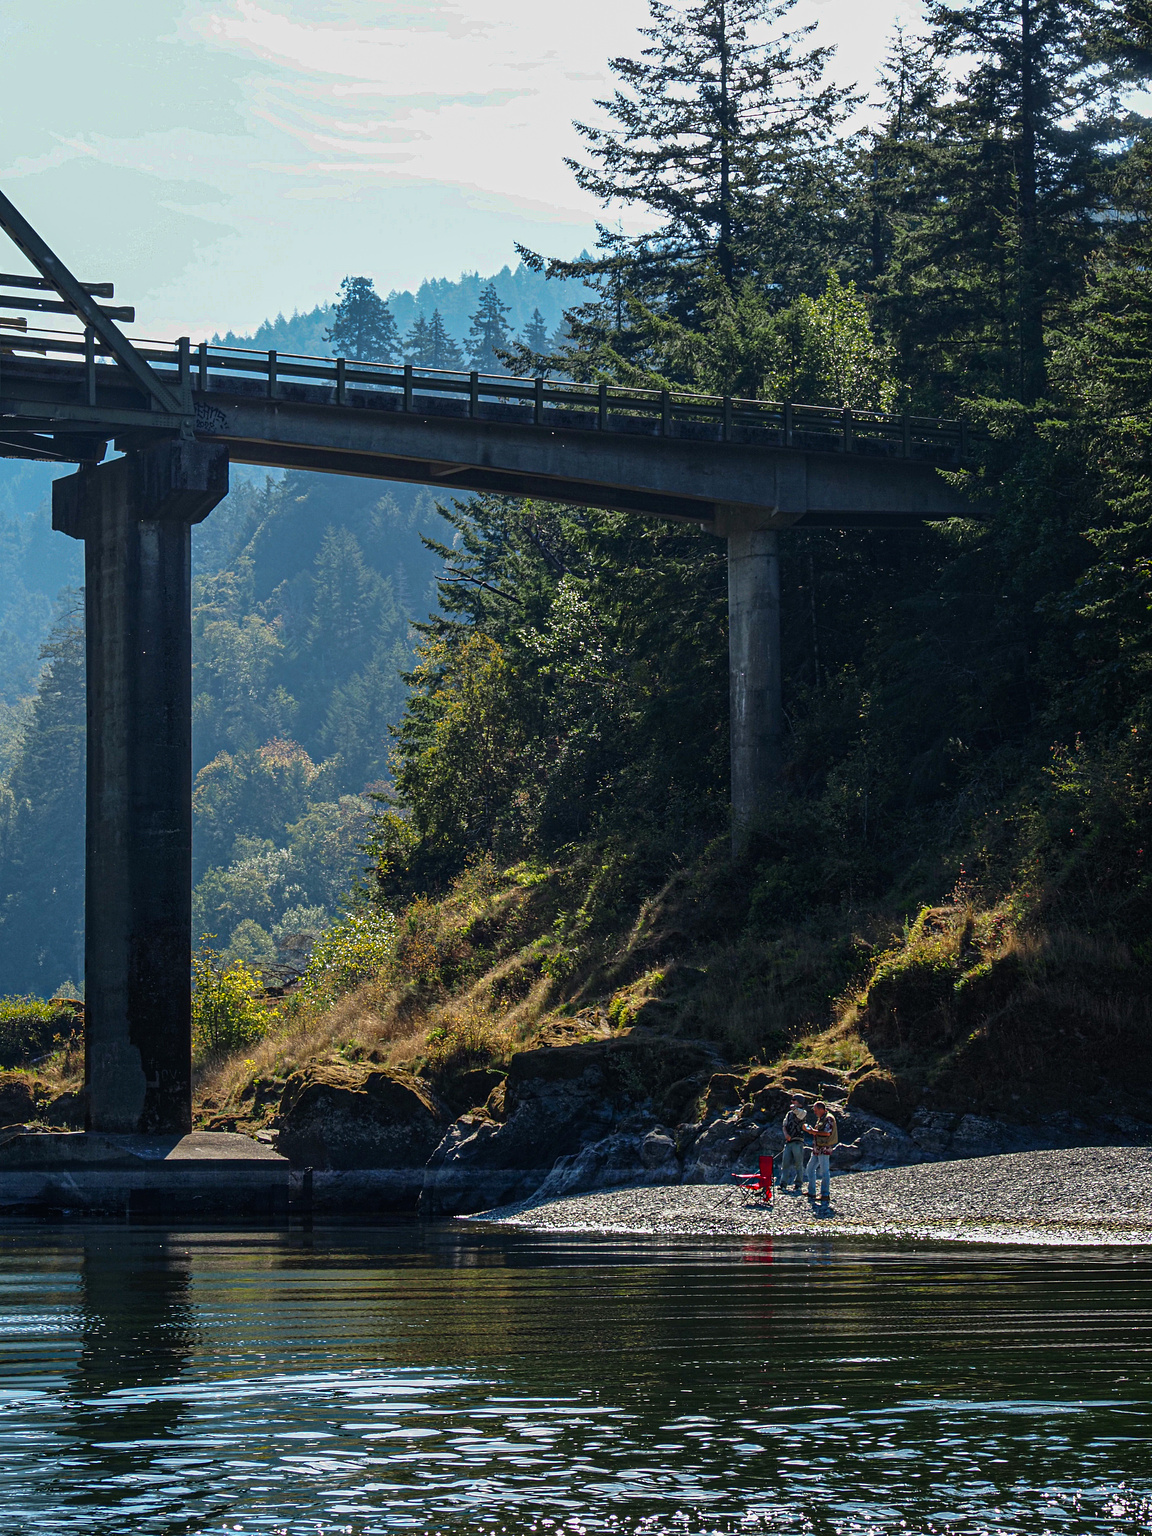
994,190
488,334
724,128
363,327
443,351
536,334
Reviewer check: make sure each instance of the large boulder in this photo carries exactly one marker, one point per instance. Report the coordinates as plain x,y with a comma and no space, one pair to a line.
879,1093
556,1101
20,1098
343,1117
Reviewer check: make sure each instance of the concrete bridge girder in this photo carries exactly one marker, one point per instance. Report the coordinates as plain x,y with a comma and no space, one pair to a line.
648,474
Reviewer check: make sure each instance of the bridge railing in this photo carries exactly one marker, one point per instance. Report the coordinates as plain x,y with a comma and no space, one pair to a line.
213,369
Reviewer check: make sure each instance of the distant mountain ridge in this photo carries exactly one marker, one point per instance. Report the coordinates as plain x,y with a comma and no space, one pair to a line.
521,289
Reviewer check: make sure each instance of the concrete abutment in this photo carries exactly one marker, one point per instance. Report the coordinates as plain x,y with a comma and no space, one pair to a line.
135,516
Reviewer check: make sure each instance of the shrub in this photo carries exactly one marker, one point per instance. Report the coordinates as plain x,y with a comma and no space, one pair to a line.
463,1043
355,949
226,1012
31,1027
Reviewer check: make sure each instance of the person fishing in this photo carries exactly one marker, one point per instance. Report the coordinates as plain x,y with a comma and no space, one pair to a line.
824,1137
792,1158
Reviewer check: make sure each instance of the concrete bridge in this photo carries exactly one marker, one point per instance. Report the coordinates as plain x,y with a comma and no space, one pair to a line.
741,469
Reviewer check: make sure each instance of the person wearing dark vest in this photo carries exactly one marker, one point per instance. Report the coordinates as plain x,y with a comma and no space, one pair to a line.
792,1158
824,1138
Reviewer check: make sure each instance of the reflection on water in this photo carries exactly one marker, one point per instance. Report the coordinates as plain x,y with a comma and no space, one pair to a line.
438,1379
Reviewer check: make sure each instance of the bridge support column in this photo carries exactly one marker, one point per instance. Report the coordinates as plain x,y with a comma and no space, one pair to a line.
135,516
755,708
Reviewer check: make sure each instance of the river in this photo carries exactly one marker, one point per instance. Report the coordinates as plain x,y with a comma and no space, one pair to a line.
462,1378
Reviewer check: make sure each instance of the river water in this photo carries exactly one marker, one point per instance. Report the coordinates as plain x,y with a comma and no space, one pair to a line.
480,1379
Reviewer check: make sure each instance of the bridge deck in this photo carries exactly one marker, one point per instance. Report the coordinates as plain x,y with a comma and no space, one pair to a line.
681,455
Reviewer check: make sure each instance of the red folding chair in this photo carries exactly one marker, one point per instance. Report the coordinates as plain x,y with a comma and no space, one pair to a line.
750,1182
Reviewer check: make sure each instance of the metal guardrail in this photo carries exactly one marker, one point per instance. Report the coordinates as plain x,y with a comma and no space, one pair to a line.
207,369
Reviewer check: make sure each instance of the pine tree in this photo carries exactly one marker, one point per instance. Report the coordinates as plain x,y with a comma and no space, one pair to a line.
536,334
42,842
443,351
712,124
363,327
417,343
489,333
1012,170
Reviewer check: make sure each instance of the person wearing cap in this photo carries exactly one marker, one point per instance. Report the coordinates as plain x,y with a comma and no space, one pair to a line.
823,1135
792,1158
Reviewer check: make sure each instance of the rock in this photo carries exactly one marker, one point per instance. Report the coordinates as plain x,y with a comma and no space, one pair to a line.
557,1100
679,1097
723,1093
826,1082
772,1103
931,1130
658,1151
879,1093
474,1088
65,1111
340,1117
20,1097
614,1162
719,1148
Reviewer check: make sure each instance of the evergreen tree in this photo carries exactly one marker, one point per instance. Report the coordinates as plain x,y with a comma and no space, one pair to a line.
536,334
363,327
443,352
998,208
712,125
489,334
417,343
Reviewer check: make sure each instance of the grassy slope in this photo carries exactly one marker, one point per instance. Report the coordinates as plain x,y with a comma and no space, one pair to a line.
994,1007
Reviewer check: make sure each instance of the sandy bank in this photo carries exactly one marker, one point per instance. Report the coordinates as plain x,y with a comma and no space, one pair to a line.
1088,1195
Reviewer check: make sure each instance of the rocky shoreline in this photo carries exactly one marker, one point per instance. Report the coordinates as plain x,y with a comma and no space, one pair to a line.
632,1112
1085,1196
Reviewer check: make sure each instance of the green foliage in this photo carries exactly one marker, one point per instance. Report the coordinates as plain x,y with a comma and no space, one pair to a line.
30,1027
428,344
488,335
42,822
226,1012
355,949
363,327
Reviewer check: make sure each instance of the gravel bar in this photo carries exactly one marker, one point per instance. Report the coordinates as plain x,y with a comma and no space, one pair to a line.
1086,1196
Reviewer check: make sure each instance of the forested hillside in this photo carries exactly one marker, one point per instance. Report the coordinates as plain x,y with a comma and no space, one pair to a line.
951,886
949,891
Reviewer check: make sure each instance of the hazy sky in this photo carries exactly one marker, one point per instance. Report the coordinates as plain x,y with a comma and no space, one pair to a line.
225,159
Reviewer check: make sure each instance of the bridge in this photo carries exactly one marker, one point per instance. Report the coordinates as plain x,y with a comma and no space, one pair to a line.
178,415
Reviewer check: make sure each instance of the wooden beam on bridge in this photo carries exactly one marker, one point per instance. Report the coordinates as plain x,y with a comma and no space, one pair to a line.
74,293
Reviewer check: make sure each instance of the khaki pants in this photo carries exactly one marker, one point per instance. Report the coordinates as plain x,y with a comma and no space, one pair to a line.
792,1164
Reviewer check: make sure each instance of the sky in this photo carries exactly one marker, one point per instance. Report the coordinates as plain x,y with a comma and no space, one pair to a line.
225,160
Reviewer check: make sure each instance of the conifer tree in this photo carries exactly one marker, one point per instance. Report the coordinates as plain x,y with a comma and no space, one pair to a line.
711,123
363,327
536,333
1014,169
429,345
443,351
489,334
416,343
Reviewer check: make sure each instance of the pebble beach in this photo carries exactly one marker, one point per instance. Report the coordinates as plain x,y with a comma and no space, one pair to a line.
1086,1196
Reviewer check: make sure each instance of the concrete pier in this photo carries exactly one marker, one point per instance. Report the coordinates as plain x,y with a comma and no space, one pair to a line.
754,677
208,1175
135,515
